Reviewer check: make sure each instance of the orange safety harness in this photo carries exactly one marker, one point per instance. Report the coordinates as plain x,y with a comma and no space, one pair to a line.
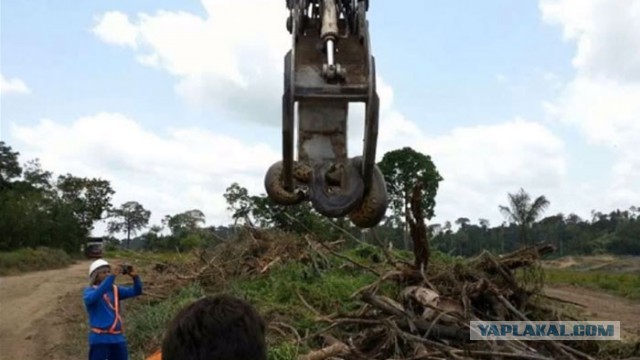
116,309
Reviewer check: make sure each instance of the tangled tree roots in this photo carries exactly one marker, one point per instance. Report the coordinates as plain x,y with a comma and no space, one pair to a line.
430,317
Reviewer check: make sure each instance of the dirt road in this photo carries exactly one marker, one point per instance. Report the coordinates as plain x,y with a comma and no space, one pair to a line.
30,321
603,306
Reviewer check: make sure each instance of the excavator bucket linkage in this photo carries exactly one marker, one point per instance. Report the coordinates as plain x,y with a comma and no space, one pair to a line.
329,65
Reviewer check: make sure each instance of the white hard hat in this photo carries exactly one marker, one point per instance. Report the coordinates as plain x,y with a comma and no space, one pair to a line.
97,264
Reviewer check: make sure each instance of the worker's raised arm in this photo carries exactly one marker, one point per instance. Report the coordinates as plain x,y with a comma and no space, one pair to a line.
131,291
91,295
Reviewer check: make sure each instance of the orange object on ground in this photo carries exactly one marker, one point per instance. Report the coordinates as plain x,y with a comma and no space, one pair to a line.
155,356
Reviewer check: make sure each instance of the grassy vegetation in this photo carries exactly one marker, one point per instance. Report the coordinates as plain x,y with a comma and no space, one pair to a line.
28,259
147,320
150,257
325,283
622,284
276,296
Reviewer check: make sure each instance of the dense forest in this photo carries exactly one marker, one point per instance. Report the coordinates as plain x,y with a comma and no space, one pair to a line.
616,233
38,209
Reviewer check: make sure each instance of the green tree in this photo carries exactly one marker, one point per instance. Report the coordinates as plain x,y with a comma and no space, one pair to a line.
90,198
402,169
463,222
31,211
264,212
36,176
9,165
524,212
129,218
626,239
184,223
239,202
300,218
190,242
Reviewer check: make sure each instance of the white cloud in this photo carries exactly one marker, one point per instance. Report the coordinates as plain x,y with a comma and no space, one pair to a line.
230,59
114,28
481,164
168,173
186,168
394,129
239,69
15,86
607,35
499,155
603,99
606,111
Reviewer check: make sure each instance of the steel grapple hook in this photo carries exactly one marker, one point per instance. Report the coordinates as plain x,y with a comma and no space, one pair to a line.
329,66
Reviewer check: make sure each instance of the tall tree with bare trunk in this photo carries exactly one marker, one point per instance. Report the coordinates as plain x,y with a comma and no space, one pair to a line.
403,169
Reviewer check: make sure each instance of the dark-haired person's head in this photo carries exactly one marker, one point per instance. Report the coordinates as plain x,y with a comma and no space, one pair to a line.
216,328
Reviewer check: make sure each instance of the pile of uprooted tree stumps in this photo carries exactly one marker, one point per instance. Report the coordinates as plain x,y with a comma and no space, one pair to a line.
430,317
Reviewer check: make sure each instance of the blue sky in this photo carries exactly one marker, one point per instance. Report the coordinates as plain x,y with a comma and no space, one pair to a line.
503,95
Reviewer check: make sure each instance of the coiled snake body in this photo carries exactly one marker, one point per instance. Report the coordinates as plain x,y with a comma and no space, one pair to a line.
274,183
365,210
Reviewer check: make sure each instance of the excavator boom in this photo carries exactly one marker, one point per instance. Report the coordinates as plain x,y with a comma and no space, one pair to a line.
329,66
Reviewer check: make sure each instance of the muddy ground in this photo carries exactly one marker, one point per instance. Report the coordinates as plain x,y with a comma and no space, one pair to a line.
602,306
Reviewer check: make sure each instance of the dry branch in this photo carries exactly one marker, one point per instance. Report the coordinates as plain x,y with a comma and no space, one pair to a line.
425,317
337,349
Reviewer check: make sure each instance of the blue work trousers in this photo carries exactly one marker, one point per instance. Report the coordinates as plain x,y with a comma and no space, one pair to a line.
115,351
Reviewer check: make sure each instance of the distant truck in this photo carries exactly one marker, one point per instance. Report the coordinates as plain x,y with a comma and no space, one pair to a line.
94,248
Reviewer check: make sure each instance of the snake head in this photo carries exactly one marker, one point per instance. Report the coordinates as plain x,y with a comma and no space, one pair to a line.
334,175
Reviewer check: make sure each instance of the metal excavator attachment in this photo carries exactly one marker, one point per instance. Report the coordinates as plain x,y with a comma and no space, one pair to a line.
329,65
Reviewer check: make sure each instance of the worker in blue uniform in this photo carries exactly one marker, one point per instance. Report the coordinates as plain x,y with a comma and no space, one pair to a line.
102,302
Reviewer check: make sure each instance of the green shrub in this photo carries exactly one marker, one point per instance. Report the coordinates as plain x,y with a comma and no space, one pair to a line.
29,259
191,241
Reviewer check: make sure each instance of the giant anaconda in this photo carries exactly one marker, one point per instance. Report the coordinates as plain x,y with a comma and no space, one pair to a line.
273,183
374,204
365,210
340,201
